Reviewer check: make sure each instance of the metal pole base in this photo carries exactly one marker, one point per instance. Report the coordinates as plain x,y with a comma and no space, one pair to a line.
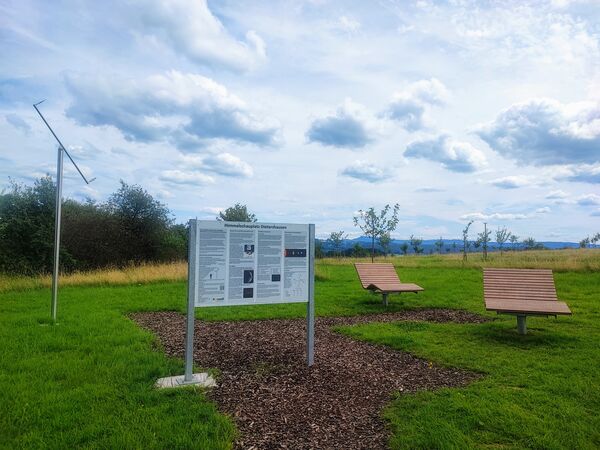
384,300
521,324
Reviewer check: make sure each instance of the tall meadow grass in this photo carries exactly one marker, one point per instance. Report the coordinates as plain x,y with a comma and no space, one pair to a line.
571,260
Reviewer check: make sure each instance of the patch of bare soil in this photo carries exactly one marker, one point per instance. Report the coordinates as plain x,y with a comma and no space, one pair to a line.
277,402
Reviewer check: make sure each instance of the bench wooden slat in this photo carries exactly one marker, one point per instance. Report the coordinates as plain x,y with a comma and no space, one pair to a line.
523,291
526,307
383,278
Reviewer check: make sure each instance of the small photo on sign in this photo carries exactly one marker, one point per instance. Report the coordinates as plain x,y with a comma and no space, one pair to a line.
248,250
276,277
248,293
248,276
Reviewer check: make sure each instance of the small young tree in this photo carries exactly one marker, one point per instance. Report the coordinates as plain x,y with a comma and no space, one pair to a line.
502,235
404,248
385,240
439,245
359,251
484,238
595,239
237,213
319,249
415,243
530,243
335,239
584,243
454,247
375,225
513,240
465,234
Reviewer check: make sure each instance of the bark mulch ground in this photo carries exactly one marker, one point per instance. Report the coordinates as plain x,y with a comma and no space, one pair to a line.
277,402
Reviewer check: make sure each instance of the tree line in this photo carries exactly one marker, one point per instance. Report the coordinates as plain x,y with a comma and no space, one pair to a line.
132,227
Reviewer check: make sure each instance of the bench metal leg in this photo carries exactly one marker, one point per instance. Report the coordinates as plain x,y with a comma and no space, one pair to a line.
384,300
521,324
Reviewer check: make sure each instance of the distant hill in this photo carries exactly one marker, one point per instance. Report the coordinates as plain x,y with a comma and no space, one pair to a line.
450,245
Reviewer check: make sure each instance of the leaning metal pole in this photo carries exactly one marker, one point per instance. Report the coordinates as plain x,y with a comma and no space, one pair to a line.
59,176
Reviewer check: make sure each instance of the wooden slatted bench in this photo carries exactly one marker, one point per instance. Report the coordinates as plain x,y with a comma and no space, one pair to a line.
522,292
382,278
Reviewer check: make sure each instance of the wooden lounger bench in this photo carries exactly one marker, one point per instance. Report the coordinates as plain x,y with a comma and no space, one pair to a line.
382,278
522,292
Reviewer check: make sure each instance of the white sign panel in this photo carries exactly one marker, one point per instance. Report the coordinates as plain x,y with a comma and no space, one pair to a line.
246,263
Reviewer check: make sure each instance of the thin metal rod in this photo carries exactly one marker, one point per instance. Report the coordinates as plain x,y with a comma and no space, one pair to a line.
59,176
61,144
310,306
192,274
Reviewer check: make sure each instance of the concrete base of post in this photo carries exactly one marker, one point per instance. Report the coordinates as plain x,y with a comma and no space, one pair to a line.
522,324
198,379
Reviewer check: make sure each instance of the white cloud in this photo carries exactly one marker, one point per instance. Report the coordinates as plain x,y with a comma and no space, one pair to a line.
512,182
583,173
504,216
186,177
364,171
190,28
348,24
546,132
351,126
18,122
187,110
588,200
557,195
211,209
456,156
494,216
409,106
224,164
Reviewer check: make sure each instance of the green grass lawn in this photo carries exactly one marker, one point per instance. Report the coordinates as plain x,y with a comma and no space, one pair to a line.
88,381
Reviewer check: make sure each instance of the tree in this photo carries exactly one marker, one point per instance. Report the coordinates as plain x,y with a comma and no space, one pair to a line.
385,240
27,228
130,227
335,239
513,240
142,221
465,234
584,242
359,251
484,238
454,247
439,245
404,248
502,235
319,248
531,244
415,243
375,225
237,213
595,239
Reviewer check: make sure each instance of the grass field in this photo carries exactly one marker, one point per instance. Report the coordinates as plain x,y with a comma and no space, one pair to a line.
88,381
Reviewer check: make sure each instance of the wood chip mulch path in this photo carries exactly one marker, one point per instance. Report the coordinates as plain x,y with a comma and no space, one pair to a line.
277,402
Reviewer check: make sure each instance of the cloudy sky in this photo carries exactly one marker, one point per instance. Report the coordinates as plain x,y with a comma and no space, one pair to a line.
307,111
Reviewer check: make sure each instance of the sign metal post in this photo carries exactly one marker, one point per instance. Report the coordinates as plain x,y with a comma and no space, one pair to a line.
310,306
59,177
